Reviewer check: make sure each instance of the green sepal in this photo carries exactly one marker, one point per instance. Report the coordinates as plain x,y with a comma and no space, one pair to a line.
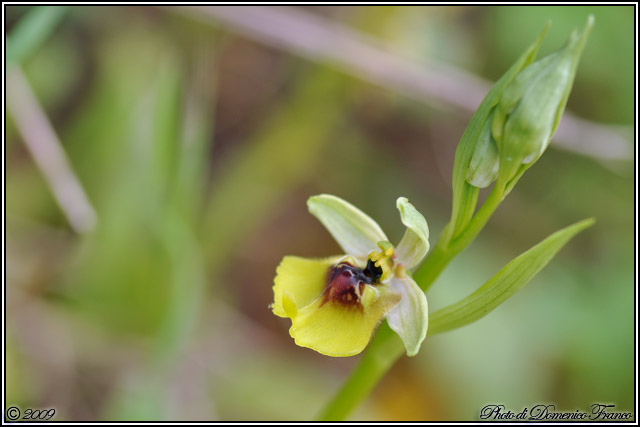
356,233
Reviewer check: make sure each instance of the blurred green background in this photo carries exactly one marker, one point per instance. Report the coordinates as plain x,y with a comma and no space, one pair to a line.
198,144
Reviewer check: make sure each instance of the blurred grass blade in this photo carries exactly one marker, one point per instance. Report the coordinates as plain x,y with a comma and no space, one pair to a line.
196,135
166,121
503,285
45,147
32,31
124,279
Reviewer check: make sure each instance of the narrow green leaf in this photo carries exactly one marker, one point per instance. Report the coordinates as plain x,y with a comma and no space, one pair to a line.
503,285
32,31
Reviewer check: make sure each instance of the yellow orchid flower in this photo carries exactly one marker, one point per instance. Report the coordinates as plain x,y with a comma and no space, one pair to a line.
336,303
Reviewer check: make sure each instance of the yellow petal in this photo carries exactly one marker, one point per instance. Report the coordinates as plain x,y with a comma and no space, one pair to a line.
339,330
302,279
290,308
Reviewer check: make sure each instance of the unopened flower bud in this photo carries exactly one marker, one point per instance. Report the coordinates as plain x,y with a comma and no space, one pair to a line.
530,107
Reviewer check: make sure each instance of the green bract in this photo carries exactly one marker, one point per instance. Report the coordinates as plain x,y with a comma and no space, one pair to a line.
484,165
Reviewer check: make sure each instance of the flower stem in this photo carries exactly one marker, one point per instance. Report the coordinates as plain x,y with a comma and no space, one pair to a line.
386,347
480,219
445,251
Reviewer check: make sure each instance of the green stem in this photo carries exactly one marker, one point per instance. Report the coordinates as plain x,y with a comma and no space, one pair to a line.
386,347
445,251
479,220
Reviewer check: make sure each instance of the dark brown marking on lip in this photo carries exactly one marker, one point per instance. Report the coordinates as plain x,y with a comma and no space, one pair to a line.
345,284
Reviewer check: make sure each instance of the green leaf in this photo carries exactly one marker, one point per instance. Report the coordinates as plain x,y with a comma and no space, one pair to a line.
356,233
503,285
32,31
415,242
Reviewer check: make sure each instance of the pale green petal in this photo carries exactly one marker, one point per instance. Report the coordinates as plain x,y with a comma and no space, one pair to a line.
410,318
337,330
415,243
356,233
302,280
